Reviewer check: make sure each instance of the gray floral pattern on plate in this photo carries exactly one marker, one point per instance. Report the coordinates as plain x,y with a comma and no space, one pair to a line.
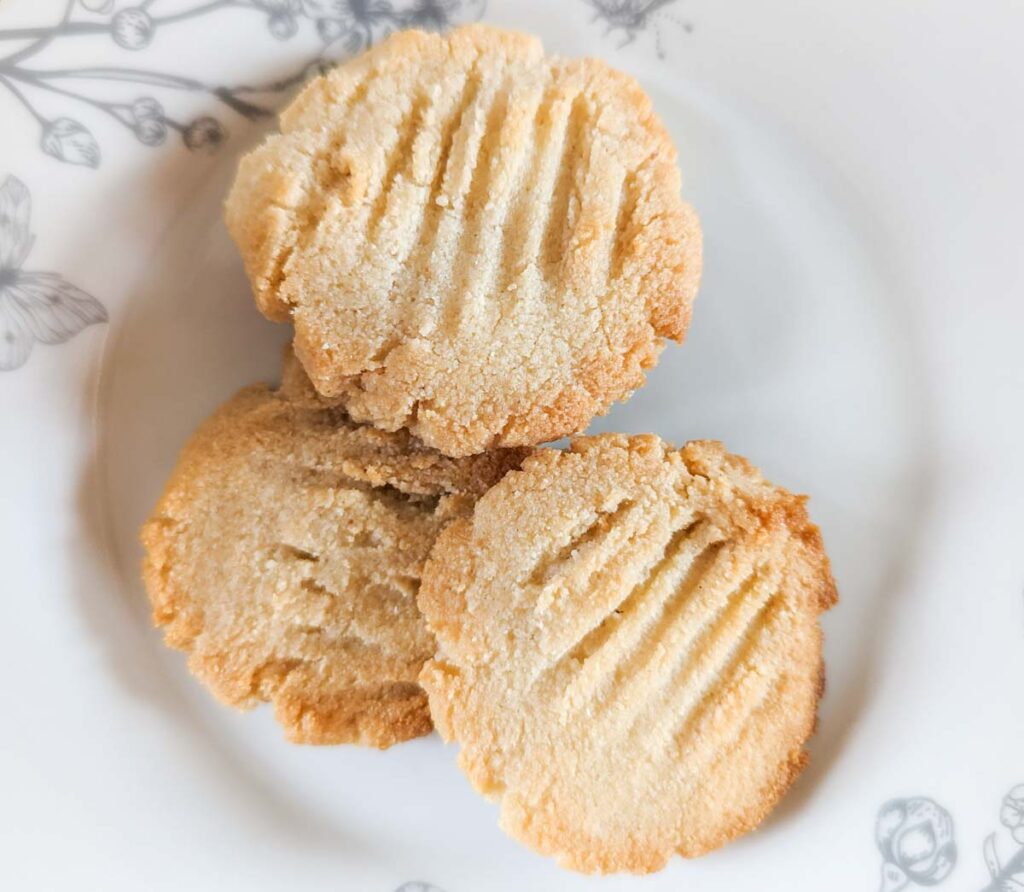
631,17
34,307
915,837
1008,877
345,27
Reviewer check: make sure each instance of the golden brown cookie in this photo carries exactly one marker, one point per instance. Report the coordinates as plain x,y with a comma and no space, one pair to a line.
285,554
628,648
476,241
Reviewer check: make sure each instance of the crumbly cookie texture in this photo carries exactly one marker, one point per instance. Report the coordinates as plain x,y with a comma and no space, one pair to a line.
285,554
629,651
475,241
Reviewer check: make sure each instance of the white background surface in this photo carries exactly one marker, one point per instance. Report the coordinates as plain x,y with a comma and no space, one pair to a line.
859,335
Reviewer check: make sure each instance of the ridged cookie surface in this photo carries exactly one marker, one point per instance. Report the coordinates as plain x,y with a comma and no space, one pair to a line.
285,555
628,648
475,241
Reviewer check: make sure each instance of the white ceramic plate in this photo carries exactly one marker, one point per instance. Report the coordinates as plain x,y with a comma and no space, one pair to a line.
859,334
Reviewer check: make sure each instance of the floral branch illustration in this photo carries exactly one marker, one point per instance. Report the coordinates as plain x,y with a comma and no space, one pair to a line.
344,27
1007,876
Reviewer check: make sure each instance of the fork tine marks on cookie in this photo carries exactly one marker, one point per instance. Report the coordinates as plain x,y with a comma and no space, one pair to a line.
335,92
702,671
405,229
598,180
544,189
564,206
663,675
567,533
475,309
518,263
582,600
688,552
619,253
698,604
508,171
399,167
766,752
425,313
486,202
468,151
609,548
724,711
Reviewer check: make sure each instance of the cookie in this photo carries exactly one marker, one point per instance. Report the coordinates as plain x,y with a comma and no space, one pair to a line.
629,651
475,241
285,554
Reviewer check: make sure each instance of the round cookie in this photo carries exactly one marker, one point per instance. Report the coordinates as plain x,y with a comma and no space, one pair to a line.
629,651
476,241
285,554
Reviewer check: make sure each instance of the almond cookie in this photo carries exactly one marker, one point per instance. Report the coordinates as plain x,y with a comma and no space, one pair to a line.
628,648
475,241
285,554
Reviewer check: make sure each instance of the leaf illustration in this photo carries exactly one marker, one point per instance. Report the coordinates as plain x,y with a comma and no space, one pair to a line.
67,140
1013,870
51,308
992,856
893,879
15,213
1011,813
